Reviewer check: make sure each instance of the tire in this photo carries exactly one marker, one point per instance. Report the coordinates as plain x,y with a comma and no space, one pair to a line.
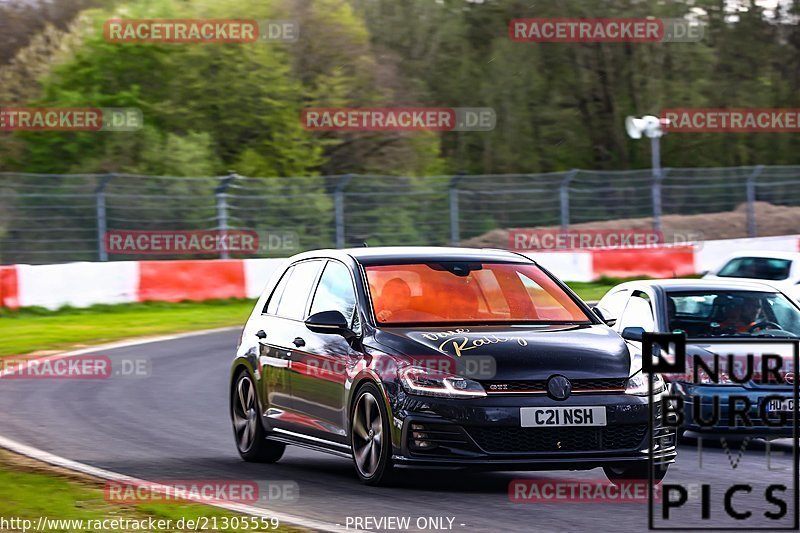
251,441
370,436
636,472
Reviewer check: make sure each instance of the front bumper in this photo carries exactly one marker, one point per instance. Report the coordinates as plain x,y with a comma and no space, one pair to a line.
487,433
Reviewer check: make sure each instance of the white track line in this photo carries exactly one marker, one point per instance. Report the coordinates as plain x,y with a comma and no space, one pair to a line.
46,457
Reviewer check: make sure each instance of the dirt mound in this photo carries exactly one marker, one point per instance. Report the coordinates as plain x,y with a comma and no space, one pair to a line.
770,220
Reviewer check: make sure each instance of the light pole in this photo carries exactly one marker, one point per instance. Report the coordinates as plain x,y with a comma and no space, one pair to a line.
652,128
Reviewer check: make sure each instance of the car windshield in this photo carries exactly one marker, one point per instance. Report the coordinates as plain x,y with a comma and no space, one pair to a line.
473,292
732,313
756,268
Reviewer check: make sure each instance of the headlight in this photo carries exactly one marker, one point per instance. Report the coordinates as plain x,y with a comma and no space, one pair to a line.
637,384
430,383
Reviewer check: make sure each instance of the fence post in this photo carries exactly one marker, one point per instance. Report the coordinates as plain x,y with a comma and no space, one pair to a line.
751,201
338,203
455,231
222,210
563,195
100,210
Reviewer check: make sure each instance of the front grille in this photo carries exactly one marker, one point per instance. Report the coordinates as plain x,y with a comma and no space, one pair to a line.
565,439
540,385
606,383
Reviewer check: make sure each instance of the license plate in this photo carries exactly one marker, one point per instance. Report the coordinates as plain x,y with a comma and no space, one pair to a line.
781,405
562,416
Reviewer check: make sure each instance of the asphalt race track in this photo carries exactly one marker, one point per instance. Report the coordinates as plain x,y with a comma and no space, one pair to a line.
173,424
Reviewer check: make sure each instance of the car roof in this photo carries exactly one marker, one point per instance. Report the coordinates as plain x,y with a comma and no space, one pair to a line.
407,254
692,284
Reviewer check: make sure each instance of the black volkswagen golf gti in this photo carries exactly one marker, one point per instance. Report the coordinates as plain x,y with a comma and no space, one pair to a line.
440,357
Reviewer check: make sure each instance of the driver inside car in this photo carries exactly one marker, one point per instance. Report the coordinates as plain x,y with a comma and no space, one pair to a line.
741,317
395,299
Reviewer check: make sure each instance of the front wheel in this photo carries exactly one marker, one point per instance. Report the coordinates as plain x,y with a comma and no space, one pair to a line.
247,430
370,438
636,472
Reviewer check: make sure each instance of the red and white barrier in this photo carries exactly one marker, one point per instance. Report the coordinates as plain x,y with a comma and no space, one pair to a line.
85,284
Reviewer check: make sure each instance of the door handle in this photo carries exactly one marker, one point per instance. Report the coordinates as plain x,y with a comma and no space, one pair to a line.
299,342
261,334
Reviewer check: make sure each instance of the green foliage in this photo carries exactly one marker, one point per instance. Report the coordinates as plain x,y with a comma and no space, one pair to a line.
213,108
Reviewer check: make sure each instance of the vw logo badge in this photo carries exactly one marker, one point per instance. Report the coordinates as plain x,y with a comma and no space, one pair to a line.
559,387
789,378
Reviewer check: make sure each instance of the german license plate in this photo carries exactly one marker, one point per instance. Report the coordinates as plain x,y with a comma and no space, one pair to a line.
781,405
562,416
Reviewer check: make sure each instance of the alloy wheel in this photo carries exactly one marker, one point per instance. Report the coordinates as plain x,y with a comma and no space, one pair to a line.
245,414
367,435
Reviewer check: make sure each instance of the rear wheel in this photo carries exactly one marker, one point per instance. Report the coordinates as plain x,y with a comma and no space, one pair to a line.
247,430
636,472
370,438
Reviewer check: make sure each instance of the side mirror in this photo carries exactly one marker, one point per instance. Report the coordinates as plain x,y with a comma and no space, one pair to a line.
633,334
330,322
607,321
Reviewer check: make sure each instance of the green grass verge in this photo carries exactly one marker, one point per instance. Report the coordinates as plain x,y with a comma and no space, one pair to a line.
33,329
591,291
29,490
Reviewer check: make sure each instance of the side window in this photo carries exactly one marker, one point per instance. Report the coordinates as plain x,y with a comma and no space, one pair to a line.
638,313
611,305
335,291
274,300
295,295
